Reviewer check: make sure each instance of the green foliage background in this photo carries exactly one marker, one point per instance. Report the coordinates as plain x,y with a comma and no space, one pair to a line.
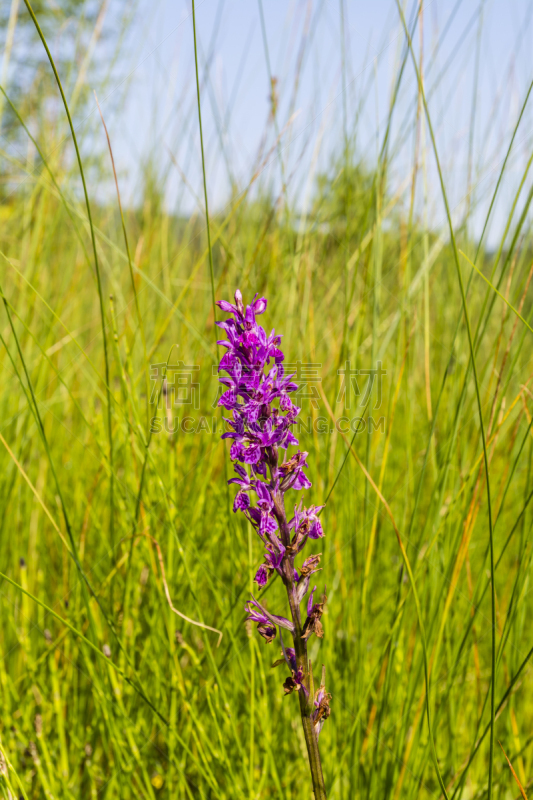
105,691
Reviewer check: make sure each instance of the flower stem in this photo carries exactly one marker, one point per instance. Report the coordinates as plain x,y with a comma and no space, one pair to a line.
302,662
311,739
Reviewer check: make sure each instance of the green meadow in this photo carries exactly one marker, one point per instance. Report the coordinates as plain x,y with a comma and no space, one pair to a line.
127,669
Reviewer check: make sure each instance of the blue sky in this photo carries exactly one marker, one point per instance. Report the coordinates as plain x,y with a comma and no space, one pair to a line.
150,99
160,111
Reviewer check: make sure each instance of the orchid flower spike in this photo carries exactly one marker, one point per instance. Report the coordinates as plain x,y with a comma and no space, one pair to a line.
262,416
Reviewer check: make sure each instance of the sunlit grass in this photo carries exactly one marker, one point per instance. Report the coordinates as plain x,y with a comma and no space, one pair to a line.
105,691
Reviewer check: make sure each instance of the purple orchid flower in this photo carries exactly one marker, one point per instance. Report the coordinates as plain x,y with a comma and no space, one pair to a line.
242,500
258,396
273,562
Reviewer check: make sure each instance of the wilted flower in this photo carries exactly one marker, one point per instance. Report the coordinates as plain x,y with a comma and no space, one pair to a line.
322,709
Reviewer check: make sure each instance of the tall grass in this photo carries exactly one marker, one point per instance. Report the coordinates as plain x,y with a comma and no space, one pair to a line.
112,522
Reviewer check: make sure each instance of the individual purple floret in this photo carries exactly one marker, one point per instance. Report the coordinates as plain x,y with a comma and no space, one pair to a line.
261,416
266,622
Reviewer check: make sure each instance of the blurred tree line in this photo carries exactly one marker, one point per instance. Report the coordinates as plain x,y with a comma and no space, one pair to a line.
85,38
